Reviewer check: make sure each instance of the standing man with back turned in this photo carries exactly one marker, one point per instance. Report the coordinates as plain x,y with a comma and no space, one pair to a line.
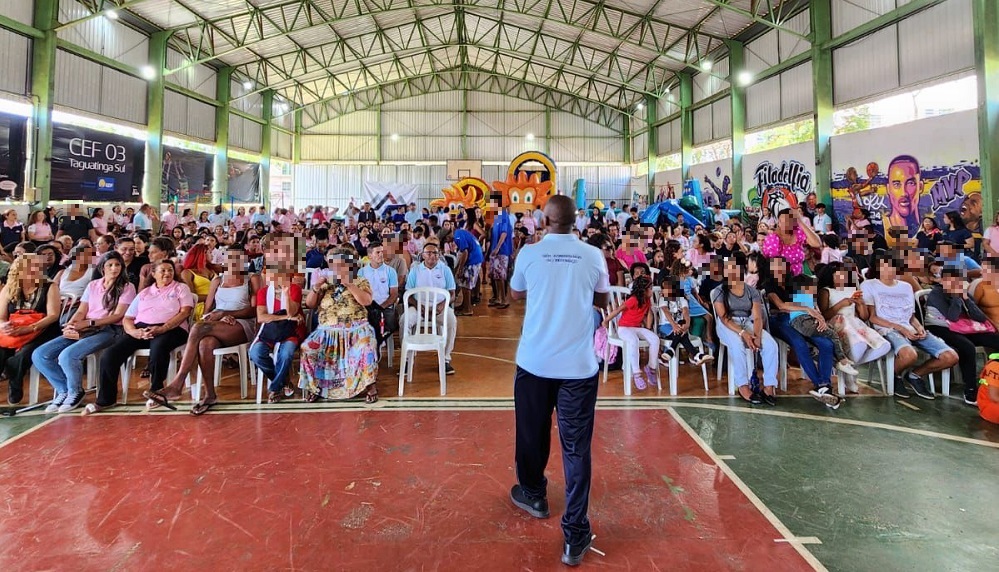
562,279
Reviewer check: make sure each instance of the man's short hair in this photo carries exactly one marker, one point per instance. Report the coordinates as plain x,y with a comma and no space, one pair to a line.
820,206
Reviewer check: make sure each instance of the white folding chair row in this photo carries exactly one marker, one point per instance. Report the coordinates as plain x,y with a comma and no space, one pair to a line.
426,336
247,371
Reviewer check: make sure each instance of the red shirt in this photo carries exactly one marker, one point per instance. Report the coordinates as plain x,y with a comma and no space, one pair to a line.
294,295
633,314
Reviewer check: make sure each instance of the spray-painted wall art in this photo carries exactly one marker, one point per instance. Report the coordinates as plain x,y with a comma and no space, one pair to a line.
716,182
778,179
904,173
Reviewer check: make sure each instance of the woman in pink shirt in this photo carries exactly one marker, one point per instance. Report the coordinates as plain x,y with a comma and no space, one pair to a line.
789,239
631,251
240,220
39,231
155,320
95,326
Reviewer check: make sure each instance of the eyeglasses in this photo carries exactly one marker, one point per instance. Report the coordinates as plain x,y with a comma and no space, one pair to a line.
431,253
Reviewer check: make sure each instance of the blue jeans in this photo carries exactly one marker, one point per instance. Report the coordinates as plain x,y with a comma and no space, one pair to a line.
820,374
260,355
61,360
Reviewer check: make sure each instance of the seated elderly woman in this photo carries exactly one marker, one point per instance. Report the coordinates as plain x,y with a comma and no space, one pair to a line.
339,359
96,325
29,317
229,321
155,320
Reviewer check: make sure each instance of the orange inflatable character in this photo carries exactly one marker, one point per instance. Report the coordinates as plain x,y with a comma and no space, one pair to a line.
467,193
521,192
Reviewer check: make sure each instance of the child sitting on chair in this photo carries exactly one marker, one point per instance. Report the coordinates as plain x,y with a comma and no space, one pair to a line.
674,324
805,291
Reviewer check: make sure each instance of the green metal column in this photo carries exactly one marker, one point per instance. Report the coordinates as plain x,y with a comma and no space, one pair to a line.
43,61
222,93
152,184
652,142
686,124
626,119
265,147
986,18
822,82
736,64
464,123
296,148
378,135
548,131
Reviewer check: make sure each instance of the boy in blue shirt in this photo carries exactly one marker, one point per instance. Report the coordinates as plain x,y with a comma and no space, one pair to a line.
807,325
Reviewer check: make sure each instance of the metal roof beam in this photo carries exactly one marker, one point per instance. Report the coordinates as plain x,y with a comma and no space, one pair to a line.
772,22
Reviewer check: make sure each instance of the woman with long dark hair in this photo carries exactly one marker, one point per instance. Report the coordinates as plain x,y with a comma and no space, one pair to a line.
958,233
740,327
96,325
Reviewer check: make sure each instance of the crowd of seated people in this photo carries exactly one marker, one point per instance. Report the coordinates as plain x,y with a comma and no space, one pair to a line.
184,285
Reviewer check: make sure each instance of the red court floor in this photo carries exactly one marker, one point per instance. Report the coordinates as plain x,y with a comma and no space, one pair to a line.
370,490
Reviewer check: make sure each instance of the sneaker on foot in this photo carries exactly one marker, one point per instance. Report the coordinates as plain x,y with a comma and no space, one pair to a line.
538,508
702,357
639,381
572,555
73,400
57,400
846,366
918,386
827,396
448,370
666,356
971,398
768,399
901,391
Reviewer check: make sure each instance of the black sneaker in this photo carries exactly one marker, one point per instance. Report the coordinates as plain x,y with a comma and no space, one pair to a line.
573,555
900,390
448,370
756,398
536,508
971,398
827,396
768,399
918,386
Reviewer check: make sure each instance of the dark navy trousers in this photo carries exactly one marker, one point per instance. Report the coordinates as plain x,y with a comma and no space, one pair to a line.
575,400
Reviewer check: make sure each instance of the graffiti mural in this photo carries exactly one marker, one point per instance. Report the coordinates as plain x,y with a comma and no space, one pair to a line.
905,191
718,189
778,187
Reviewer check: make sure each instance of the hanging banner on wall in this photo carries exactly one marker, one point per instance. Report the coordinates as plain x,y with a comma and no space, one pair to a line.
385,196
186,175
95,166
244,181
778,186
12,156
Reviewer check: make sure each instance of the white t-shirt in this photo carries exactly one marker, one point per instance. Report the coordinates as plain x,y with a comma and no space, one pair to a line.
822,223
895,303
992,237
560,275
675,308
382,280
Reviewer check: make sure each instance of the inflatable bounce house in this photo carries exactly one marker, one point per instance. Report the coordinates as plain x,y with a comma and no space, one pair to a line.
530,182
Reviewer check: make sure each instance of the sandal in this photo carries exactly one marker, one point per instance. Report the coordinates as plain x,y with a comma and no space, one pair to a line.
274,397
158,399
144,374
372,395
312,397
639,381
92,408
202,408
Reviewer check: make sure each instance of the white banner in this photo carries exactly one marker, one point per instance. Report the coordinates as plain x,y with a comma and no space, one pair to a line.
383,196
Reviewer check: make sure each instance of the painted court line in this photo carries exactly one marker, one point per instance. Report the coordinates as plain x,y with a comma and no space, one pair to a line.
800,540
755,500
727,457
907,404
485,357
855,422
28,432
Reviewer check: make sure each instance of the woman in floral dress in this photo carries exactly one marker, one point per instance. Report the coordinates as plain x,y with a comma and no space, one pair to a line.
339,359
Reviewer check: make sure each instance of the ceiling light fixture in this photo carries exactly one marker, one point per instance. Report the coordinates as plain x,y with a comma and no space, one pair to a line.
111,14
247,85
744,78
529,136
147,72
706,65
640,106
394,137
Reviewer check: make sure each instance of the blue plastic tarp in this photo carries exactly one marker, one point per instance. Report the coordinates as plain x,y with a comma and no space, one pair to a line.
671,209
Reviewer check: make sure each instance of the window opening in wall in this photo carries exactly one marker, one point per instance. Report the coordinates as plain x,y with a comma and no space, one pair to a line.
18,108
711,152
281,184
189,145
104,125
668,162
959,94
780,136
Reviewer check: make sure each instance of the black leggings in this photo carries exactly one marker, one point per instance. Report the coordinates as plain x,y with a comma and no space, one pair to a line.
159,362
964,345
682,339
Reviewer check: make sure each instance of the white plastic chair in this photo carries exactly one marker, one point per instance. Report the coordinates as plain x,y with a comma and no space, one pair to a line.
674,366
34,378
260,380
782,349
426,335
246,370
68,303
129,365
618,295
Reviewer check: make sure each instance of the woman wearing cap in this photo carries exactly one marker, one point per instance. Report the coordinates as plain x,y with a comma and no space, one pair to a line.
339,359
